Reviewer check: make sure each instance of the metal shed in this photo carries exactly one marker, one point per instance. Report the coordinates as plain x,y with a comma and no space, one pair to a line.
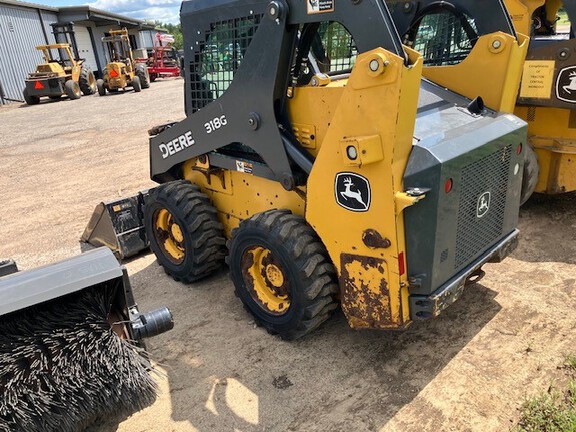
22,27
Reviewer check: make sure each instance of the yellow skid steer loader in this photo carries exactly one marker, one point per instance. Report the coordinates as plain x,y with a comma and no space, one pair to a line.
321,164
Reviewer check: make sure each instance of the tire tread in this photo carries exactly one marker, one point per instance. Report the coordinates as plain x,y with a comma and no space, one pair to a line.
311,260
200,220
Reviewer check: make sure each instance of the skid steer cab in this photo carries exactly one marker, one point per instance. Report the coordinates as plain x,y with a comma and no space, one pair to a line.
449,32
121,71
474,49
320,165
60,74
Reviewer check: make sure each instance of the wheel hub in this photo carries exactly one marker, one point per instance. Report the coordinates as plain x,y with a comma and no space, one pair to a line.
265,280
274,275
169,236
176,232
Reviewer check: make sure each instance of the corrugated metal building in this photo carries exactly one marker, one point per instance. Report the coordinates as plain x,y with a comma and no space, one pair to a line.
23,26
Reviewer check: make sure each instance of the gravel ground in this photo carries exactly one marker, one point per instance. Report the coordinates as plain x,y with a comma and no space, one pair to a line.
470,369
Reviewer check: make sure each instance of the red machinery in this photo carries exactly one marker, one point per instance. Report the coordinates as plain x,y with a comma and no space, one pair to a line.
162,61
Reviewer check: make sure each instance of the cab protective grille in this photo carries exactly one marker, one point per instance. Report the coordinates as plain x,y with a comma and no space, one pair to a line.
482,207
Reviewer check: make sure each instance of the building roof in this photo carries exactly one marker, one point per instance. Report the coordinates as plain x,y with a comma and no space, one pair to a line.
86,13
30,5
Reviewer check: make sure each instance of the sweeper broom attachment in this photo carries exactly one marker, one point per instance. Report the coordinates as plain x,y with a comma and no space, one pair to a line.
71,350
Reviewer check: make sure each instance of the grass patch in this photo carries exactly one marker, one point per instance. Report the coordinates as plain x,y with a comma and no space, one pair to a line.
552,411
571,362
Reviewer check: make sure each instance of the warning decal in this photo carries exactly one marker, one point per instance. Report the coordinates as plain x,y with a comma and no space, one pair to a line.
537,79
319,6
245,167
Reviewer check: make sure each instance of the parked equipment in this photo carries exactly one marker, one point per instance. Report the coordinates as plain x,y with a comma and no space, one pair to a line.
71,349
60,74
162,61
121,71
547,98
314,147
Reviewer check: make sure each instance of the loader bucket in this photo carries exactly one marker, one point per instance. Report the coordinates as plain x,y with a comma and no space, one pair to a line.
71,349
119,225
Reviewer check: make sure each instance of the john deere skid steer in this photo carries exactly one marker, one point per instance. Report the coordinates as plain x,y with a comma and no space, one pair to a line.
322,166
71,345
121,71
547,99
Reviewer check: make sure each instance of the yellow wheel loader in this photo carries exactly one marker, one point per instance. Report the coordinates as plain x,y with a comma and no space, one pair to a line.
121,71
72,353
320,164
60,74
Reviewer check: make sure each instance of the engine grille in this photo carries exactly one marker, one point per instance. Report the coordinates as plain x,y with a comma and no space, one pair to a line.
477,228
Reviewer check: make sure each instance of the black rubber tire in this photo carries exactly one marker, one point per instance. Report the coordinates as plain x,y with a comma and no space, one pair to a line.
87,81
101,86
30,100
152,77
530,174
72,89
204,240
136,84
305,261
142,73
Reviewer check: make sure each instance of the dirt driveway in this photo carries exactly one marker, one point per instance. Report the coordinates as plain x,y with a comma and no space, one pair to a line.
468,370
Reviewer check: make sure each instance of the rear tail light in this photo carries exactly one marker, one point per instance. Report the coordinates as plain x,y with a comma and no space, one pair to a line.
401,264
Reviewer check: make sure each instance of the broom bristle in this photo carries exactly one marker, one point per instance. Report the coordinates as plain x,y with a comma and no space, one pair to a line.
62,368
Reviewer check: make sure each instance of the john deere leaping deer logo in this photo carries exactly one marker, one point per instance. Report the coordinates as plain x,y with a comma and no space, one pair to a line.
352,191
572,86
566,85
483,205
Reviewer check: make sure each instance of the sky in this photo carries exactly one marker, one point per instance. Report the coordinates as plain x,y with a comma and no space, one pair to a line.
163,10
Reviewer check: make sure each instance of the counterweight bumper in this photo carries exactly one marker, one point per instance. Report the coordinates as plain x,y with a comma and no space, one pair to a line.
424,307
